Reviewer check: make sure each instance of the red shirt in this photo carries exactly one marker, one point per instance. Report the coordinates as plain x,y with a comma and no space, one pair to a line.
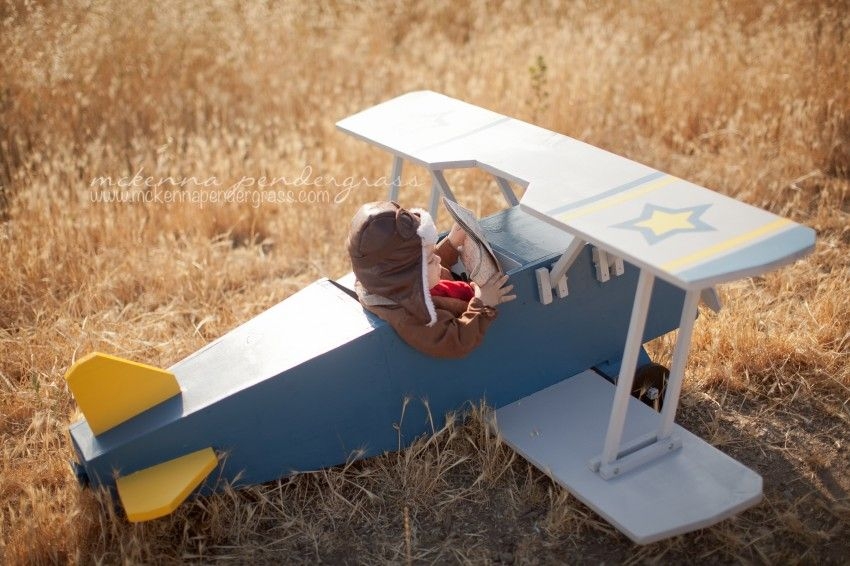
455,289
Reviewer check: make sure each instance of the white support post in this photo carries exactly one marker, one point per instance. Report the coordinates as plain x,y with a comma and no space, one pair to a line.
677,366
395,178
634,339
434,202
560,267
710,298
600,259
607,265
619,267
555,277
507,191
544,286
439,185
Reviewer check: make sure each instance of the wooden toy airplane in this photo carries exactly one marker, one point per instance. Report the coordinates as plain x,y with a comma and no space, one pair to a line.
595,242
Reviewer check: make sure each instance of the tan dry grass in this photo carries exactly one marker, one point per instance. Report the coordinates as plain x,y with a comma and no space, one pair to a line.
746,99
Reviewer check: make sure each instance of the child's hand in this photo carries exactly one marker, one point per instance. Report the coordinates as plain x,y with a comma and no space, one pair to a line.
457,237
493,292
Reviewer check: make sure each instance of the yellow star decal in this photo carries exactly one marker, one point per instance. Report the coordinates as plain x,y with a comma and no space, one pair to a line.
658,223
662,222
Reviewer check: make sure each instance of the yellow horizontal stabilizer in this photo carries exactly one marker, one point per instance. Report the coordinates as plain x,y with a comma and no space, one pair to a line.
157,491
111,390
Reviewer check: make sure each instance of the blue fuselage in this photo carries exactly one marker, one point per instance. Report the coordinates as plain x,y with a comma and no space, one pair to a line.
317,380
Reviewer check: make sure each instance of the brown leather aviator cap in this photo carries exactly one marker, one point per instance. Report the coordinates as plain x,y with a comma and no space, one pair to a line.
386,244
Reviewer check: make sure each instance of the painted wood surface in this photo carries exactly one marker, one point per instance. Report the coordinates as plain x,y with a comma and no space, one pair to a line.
317,380
686,234
560,430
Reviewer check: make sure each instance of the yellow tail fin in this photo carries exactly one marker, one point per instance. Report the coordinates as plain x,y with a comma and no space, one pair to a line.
157,491
111,390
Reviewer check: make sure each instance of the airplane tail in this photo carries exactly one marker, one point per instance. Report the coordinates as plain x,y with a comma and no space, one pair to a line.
158,490
111,390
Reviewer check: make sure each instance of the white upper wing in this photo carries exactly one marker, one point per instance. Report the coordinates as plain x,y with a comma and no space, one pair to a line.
688,235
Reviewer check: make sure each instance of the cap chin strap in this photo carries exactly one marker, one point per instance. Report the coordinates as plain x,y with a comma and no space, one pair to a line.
427,231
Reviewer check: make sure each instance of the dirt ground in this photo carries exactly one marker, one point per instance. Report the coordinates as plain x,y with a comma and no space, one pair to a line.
490,506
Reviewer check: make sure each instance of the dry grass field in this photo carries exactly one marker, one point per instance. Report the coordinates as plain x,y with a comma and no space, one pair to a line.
747,98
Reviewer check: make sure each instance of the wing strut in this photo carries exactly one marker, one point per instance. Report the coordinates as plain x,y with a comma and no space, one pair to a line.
634,339
555,277
507,191
680,359
440,187
395,178
618,458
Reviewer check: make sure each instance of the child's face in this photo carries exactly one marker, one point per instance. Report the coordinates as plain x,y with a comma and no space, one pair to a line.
434,267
